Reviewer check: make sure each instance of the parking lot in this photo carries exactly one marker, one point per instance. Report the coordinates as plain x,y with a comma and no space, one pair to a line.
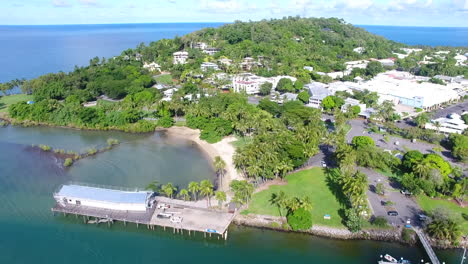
406,207
458,108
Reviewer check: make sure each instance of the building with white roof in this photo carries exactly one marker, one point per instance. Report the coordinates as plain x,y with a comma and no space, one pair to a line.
359,50
153,66
404,88
225,61
180,57
205,66
250,83
451,124
317,92
350,102
78,195
461,59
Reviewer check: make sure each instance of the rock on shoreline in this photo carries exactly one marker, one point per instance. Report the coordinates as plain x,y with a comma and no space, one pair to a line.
388,235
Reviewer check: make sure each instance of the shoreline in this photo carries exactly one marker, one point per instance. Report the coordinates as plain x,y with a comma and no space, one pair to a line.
224,149
393,235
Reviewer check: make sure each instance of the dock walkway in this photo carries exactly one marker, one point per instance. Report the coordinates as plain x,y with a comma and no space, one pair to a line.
430,252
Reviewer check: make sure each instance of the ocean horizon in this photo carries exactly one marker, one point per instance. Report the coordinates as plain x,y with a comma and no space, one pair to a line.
34,50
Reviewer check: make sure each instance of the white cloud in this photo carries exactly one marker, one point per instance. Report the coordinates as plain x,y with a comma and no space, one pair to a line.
88,2
225,6
60,3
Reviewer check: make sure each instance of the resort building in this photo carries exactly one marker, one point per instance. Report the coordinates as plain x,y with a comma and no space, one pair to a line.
248,63
350,102
250,83
180,57
359,50
78,195
153,66
200,45
210,51
225,61
451,124
309,68
407,89
205,66
317,92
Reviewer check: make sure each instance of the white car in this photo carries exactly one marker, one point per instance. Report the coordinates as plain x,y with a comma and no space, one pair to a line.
163,206
324,164
176,219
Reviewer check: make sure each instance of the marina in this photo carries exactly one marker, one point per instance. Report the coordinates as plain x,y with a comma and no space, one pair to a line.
107,205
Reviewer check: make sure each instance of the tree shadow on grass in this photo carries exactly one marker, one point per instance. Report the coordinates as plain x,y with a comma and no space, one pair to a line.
332,180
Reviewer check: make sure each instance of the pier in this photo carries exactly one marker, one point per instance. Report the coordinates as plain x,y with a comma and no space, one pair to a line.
430,252
144,209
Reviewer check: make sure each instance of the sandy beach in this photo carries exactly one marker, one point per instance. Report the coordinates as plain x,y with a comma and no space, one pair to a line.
224,149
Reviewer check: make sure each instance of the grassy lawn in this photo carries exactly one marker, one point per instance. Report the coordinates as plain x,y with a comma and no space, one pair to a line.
6,101
311,183
164,79
428,204
180,123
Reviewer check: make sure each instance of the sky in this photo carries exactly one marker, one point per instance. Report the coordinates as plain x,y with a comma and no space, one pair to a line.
441,13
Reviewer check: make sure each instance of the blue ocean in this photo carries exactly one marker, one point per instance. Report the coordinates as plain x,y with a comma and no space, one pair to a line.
428,36
30,51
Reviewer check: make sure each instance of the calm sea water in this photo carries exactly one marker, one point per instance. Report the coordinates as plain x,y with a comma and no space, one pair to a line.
30,51
430,36
31,234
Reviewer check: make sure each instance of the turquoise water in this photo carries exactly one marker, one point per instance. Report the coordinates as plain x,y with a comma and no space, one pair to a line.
31,234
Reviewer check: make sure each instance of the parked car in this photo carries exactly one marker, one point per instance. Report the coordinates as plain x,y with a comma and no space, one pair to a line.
164,215
176,219
163,206
392,213
406,192
324,164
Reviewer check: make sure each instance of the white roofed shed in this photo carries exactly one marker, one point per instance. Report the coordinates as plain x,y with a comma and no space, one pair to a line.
103,198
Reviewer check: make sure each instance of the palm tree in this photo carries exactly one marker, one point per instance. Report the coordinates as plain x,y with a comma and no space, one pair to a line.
221,197
154,186
279,200
219,166
422,169
168,189
194,188
206,189
184,194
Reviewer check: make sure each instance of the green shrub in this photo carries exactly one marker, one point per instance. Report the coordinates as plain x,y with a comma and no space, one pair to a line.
300,219
91,151
353,220
275,225
362,141
165,121
68,162
407,235
465,216
380,221
45,147
380,189
112,141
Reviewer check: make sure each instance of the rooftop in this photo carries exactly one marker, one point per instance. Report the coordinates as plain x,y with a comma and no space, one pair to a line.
101,194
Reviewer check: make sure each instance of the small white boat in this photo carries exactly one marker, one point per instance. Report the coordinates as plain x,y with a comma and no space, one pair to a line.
92,222
387,259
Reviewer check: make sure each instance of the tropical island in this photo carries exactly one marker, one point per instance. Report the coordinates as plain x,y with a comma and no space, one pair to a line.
314,125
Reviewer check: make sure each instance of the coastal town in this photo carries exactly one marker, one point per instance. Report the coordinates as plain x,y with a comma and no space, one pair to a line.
372,149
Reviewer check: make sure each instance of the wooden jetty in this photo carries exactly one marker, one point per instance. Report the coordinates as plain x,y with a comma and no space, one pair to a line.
194,218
